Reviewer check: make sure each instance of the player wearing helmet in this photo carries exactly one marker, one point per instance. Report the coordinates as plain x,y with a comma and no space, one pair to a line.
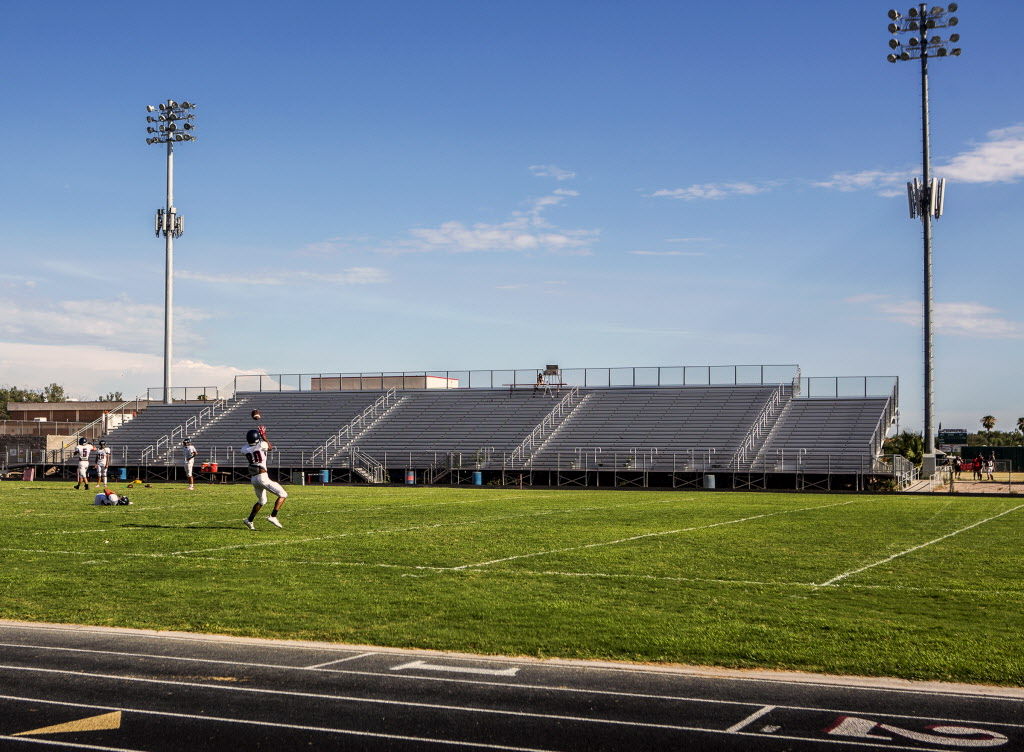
82,454
256,450
107,498
102,460
189,453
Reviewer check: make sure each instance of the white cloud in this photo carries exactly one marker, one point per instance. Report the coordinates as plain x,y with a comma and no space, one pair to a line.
709,191
552,287
856,181
687,240
117,323
959,319
333,246
526,230
999,159
356,275
87,371
868,297
643,331
552,171
666,253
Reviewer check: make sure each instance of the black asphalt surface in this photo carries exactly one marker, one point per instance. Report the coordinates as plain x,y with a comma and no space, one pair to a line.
106,689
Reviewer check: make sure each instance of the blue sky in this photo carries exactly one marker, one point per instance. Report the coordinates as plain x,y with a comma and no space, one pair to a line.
451,185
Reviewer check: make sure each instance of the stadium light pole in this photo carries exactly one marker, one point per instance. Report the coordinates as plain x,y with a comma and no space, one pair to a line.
169,122
919,27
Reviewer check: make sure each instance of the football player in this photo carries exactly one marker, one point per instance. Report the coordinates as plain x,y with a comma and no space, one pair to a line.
102,459
82,453
189,453
256,450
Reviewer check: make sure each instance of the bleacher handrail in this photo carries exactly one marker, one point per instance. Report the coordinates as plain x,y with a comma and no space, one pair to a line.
884,421
162,446
89,428
547,425
337,443
758,426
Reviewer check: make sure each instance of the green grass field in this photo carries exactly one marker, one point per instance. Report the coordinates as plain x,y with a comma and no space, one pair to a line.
916,587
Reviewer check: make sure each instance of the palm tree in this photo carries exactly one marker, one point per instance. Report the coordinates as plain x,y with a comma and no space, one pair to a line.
907,444
1020,424
989,423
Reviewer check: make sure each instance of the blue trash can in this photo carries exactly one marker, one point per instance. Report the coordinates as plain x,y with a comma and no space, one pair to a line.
709,481
478,478
410,477
325,476
122,473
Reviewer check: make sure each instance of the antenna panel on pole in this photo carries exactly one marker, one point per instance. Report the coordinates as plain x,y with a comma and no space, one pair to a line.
912,198
938,197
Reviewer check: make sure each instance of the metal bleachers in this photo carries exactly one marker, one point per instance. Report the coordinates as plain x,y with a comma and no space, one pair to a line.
297,423
659,428
823,435
130,439
481,424
680,429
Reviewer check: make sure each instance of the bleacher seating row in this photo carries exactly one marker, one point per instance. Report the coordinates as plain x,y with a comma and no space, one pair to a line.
649,428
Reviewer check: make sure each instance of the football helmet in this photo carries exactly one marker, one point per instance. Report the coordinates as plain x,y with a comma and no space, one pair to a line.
186,442
81,440
102,443
252,436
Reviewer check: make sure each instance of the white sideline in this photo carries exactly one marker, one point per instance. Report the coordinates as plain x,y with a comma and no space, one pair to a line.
651,535
886,560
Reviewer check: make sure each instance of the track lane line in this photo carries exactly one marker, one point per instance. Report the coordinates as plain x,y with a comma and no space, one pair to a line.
558,689
460,743
264,724
65,745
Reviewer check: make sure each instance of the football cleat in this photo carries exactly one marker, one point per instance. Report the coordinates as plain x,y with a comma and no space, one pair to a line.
274,521
248,524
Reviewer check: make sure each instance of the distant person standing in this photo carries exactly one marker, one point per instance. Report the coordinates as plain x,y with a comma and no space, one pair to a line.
256,450
102,460
82,454
990,467
188,453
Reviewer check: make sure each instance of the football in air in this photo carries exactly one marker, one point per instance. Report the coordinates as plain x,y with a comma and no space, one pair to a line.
256,415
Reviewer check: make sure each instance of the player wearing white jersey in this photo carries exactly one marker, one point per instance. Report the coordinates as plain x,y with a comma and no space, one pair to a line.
82,454
102,460
256,450
188,453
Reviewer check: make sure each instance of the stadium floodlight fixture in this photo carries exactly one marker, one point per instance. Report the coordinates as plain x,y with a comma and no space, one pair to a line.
926,198
168,222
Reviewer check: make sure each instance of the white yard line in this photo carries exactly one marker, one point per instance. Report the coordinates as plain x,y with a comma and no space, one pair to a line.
886,560
386,531
294,541
650,535
548,573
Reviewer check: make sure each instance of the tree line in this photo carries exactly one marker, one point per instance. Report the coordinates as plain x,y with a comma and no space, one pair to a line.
50,393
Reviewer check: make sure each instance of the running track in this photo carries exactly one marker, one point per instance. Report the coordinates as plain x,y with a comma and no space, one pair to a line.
66,687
